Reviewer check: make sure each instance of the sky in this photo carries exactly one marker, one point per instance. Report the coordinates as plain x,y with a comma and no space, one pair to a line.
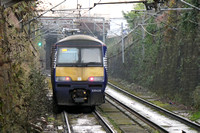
110,11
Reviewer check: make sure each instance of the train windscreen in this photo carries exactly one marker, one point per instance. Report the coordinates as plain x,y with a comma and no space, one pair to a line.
90,55
86,56
68,55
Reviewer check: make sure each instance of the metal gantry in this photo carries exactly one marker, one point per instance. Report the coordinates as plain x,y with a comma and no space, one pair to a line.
58,24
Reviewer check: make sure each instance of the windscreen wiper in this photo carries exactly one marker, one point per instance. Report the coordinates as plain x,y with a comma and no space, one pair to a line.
93,64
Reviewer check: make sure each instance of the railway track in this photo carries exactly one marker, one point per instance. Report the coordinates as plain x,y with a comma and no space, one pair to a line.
92,122
106,126
159,118
116,103
66,121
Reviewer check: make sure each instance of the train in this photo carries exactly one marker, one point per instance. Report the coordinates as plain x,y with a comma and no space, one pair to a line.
78,71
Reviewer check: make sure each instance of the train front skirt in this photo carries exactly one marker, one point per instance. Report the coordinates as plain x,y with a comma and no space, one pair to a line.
76,93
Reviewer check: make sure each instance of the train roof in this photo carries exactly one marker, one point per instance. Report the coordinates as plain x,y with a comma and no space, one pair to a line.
80,37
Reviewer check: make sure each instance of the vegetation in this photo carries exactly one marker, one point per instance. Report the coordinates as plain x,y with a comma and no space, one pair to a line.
22,86
195,116
166,57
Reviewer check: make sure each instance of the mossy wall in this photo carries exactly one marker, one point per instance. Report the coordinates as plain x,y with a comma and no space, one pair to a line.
22,87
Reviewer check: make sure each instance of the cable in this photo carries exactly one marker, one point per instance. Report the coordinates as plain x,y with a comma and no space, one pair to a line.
123,2
43,13
90,8
146,31
194,22
88,28
190,5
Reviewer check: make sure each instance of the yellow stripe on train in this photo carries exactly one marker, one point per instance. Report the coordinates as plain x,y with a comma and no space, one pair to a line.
80,73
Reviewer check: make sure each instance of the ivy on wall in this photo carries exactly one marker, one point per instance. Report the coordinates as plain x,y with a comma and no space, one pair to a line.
22,87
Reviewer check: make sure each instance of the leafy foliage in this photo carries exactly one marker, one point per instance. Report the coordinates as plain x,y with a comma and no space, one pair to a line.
132,17
170,64
196,97
196,116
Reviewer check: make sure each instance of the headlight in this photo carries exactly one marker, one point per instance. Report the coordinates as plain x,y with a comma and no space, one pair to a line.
67,78
100,79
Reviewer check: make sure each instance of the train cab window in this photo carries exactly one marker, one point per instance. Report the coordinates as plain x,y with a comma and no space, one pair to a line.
68,55
91,55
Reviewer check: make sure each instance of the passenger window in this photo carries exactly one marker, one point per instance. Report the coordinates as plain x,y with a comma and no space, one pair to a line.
68,55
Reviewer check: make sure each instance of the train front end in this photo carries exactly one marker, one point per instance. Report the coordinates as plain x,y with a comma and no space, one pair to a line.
79,72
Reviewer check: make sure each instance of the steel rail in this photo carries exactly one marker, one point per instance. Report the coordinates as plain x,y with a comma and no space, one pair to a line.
103,122
141,117
67,122
168,113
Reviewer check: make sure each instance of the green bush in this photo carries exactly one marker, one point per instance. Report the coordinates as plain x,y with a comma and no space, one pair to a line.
196,97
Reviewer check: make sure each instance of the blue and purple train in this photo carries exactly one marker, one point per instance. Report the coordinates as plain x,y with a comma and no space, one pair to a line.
79,71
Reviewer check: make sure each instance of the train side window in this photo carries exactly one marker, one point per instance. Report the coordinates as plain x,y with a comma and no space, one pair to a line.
91,55
68,55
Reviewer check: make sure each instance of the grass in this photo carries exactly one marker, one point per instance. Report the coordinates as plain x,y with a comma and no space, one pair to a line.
51,119
195,116
48,79
124,88
164,105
